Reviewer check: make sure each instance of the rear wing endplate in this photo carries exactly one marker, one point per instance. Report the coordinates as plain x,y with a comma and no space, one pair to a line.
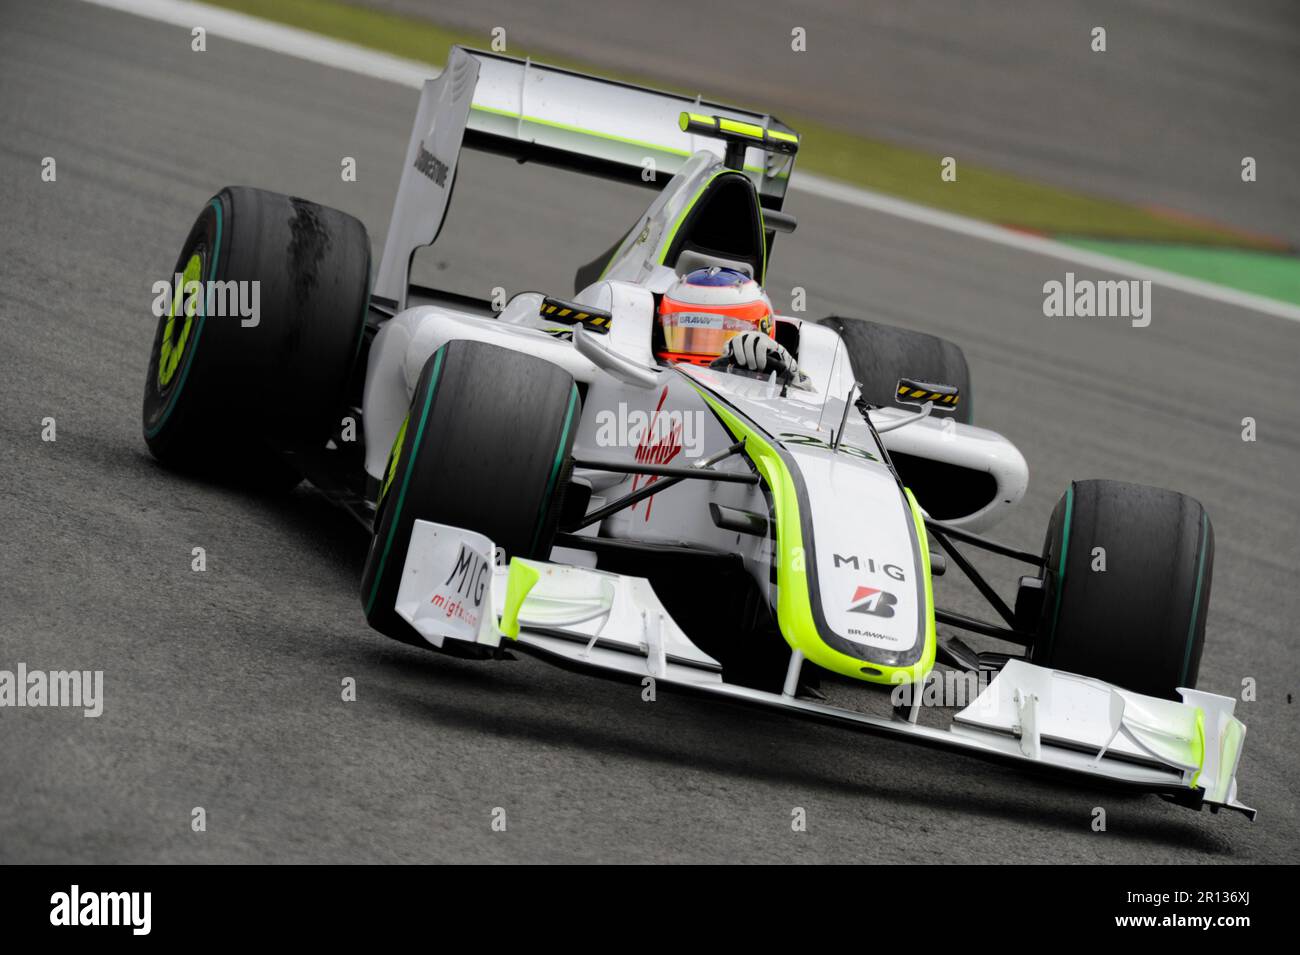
537,113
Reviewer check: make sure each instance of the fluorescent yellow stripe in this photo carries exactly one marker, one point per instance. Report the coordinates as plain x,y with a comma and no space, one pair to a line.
685,119
794,604
742,129
520,580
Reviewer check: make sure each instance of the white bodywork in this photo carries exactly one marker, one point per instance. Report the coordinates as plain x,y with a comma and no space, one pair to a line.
854,594
866,547
1027,715
405,343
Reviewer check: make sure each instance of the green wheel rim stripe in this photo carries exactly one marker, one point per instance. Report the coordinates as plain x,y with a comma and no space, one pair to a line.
406,477
555,469
188,360
1060,571
1196,600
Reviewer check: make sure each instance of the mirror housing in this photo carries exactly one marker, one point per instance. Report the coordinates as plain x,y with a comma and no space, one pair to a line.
921,393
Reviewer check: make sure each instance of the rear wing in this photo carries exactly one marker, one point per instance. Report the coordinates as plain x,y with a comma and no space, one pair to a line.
537,113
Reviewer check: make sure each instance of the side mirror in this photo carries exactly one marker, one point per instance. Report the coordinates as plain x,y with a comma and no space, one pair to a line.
922,393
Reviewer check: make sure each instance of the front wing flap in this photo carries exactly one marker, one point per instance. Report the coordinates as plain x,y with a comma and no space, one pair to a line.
454,588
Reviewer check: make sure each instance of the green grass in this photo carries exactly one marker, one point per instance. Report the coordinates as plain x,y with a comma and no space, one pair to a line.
1271,275
994,196
896,170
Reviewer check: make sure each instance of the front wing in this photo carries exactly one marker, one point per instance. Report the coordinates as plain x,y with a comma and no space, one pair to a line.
612,625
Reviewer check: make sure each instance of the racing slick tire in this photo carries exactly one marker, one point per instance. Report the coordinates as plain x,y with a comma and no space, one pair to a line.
1127,586
882,354
486,445
226,393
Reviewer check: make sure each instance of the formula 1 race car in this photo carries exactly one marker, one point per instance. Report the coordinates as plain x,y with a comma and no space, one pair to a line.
535,478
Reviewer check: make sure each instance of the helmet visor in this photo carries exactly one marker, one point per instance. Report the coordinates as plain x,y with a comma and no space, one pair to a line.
701,333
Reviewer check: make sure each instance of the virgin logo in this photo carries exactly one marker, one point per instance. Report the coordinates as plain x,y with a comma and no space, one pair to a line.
661,441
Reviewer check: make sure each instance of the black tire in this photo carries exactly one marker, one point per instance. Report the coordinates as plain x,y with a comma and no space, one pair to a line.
221,397
487,446
882,354
1140,624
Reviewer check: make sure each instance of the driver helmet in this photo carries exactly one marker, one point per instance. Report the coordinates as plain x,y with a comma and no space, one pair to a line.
705,308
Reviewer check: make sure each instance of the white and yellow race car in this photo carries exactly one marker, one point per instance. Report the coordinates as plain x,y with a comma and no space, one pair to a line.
536,479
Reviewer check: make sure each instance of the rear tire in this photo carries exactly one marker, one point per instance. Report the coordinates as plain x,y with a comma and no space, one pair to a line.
223,397
882,354
1140,623
485,446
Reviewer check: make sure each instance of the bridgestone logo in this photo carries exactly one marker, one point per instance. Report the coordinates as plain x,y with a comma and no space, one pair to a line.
430,165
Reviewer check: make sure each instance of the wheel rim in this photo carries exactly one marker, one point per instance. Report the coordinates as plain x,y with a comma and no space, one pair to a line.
177,327
207,245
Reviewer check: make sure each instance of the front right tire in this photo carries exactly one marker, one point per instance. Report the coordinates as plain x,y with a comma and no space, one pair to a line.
486,446
882,354
1127,574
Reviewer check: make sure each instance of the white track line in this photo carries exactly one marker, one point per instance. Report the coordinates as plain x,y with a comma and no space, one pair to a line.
1039,245
305,45
254,31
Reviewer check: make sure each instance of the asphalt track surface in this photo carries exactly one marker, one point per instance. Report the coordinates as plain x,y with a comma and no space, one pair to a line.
1185,89
222,689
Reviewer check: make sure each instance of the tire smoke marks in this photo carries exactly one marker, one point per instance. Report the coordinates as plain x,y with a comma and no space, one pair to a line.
1089,298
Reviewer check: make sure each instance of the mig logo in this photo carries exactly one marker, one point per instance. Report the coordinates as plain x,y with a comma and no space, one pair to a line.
874,601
